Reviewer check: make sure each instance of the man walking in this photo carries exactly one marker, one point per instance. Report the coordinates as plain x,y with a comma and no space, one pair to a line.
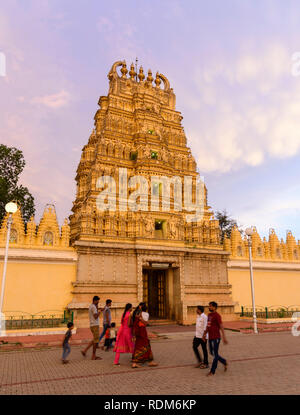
106,319
214,326
201,325
94,326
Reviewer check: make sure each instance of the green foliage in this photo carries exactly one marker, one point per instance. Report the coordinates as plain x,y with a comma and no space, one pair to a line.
12,164
226,223
281,313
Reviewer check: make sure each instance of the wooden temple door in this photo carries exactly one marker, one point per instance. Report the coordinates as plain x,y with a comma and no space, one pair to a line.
154,292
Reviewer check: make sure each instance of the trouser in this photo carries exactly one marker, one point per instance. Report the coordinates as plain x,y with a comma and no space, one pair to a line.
196,343
105,327
117,358
214,351
66,351
108,342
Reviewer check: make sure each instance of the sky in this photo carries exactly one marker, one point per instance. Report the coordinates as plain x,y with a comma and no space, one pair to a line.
233,68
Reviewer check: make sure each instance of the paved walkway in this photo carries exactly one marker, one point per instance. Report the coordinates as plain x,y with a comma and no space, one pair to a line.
241,326
83,335
258,364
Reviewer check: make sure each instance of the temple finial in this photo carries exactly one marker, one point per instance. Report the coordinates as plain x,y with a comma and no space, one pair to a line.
132,72
136,66
124,70
150,77
141,74
157,80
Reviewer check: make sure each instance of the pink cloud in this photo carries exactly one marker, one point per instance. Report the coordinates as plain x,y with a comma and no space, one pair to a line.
61,99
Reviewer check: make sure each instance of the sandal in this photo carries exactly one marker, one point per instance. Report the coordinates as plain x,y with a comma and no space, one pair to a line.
152,364
226,367
135,365
97,358
203,366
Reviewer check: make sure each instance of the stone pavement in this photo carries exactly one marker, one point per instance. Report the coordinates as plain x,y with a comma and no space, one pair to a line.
258,364
238,325
83,335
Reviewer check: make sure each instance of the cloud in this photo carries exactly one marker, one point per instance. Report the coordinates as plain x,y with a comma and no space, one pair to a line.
119,35
122,38
244,112
104,24
61,99
281,211
76,149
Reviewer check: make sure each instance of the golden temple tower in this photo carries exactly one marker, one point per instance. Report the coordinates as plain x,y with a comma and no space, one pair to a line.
141,224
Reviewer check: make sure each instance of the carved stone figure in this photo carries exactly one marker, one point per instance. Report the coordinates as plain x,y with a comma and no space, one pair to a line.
164,155
172,228
149,226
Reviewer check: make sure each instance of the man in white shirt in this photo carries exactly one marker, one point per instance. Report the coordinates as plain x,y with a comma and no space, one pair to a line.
201,324
94,327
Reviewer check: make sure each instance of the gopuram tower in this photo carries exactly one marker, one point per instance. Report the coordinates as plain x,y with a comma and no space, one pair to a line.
141,224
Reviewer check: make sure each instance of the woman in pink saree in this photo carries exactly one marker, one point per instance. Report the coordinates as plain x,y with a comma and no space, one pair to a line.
124,343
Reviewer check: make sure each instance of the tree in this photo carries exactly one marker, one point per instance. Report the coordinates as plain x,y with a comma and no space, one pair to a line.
226,223
12,163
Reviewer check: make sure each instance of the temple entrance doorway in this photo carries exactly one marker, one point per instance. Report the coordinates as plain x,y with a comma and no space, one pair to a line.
154,292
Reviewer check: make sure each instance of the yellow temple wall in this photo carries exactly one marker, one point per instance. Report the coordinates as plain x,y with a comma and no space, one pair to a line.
35,285
276,269
42,267
275,284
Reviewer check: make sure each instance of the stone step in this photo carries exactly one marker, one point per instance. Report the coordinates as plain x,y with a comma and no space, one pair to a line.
161,322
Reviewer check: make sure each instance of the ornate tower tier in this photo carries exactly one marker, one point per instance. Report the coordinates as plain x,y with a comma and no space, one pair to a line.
158,225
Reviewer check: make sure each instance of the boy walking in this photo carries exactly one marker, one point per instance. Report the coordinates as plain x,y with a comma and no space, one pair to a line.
110,337
65,343
214,326
201,325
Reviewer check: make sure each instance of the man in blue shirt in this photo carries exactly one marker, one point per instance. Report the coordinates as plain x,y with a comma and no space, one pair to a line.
106,319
